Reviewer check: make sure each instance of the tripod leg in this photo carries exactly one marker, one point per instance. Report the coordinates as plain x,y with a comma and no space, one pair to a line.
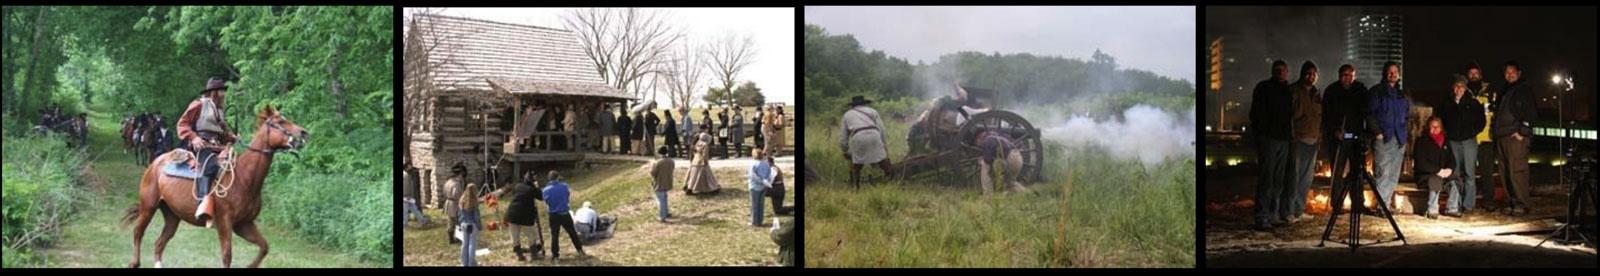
1333,216
1387,214
1575,198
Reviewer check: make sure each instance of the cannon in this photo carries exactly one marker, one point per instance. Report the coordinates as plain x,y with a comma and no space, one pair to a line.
942,146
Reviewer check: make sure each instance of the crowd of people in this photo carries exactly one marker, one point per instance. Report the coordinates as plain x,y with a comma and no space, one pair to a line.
616,129
1295,122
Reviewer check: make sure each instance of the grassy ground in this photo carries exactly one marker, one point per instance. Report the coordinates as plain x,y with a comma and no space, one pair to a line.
94,239
1093,211
704,230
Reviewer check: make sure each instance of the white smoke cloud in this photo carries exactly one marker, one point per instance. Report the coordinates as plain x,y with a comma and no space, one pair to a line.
1145,133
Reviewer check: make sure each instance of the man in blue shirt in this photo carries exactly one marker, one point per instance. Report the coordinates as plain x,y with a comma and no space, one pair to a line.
760,179
1390,106
555,197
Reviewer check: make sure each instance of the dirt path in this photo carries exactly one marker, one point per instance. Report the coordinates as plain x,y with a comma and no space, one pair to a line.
94,238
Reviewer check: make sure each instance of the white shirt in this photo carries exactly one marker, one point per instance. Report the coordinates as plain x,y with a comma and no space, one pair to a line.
585,215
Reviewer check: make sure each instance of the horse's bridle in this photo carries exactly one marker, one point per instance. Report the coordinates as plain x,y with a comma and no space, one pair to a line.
279,128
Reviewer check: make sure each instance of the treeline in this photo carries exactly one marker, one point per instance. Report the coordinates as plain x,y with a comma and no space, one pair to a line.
837,67
328,68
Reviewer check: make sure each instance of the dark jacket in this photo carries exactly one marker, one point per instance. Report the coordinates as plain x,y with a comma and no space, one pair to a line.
413,185
1389,110
1513,111
670,130
523,210
1428,158
1270,110
1344,108
624,126
638,128
1462,120
652,125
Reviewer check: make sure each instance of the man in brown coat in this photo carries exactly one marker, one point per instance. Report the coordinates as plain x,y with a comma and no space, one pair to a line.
1307,129
660,172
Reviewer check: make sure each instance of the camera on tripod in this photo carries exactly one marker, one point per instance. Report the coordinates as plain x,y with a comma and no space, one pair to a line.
1578,176
1351,153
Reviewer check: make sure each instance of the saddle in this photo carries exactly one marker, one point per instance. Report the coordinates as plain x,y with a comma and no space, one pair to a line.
178,166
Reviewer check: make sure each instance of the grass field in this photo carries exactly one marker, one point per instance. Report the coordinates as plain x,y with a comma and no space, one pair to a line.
1093,211
703,231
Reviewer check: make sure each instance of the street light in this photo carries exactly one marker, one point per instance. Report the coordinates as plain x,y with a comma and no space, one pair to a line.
1561,142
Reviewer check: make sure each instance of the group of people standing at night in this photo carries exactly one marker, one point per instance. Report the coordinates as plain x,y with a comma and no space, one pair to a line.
1295,122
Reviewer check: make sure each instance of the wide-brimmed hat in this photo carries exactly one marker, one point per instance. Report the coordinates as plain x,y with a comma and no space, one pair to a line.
214,84
859,100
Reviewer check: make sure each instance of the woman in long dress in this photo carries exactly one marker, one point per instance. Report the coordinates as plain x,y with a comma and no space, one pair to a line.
700,178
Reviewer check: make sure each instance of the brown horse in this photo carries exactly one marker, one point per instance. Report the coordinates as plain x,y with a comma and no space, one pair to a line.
129,124
236,194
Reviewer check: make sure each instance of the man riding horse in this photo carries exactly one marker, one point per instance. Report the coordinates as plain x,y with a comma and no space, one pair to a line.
202,128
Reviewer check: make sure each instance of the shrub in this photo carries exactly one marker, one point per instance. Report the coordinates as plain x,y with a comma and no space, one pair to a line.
39,176
352,214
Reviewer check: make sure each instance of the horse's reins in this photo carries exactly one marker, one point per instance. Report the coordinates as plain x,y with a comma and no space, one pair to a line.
227,167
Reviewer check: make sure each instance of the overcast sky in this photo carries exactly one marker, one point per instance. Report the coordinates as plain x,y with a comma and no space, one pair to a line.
1156,39
772,28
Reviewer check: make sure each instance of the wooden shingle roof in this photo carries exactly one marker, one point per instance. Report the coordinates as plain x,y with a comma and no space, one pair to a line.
474,53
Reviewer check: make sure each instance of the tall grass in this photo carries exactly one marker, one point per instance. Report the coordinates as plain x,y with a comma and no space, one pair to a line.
40,176
352,214
1093,210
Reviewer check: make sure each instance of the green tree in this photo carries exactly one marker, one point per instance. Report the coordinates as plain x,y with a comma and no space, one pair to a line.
746,94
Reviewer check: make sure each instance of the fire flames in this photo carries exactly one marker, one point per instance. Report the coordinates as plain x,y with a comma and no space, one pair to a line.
1317,201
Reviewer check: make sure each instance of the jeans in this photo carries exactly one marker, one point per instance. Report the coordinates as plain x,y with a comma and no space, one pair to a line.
1389,156
1293,200
756,207
1465,196
1273,179
469,248
412,209
1435,184
661,205
1345,158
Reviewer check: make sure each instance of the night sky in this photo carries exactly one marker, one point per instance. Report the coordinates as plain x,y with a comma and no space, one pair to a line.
1439,41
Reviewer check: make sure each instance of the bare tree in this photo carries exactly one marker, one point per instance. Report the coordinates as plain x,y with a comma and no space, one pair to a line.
624,44
683,72
728,56
428,49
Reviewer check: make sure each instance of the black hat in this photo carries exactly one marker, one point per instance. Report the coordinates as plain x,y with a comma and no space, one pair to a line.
459,168
214,84
859,100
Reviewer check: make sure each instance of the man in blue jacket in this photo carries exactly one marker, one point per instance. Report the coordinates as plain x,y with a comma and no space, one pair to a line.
555,196
1389,108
